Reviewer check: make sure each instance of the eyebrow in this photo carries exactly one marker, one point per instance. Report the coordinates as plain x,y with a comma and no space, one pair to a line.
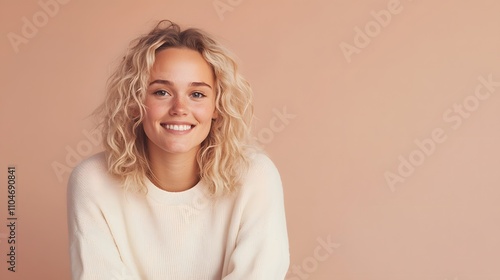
169,83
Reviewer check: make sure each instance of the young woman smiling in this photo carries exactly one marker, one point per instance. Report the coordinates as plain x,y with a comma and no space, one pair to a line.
179,192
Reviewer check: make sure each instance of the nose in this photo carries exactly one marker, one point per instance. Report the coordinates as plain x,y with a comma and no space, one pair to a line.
178,107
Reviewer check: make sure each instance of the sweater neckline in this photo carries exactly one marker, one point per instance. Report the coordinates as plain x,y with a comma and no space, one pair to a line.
174,198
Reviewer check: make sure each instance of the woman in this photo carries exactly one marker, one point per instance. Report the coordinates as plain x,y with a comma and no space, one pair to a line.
179,192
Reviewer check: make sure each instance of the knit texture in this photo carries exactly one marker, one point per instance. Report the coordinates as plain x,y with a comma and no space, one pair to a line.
185,235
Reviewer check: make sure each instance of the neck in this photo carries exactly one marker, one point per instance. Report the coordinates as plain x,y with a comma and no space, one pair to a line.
173,172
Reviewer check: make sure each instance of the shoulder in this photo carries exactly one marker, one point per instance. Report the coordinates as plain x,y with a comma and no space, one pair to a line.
262,177
261,191
90,174
90,167
262,165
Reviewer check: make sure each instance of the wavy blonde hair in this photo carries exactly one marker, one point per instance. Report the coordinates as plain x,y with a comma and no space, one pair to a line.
223,156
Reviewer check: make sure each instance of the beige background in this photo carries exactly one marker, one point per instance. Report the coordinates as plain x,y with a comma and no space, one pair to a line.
352,118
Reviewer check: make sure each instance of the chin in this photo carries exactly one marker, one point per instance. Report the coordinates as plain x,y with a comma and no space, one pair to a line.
181,149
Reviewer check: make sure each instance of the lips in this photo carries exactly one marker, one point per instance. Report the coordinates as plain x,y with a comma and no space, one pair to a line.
177,127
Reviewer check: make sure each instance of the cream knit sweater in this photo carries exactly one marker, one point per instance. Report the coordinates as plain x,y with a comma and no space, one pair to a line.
118,235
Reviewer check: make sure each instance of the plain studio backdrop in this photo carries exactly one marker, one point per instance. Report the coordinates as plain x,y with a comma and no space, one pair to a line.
382,117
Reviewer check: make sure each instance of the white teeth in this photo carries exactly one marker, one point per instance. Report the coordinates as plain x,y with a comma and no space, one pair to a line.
181,127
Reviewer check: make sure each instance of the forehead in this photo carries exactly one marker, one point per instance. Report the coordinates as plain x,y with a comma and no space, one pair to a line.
181,65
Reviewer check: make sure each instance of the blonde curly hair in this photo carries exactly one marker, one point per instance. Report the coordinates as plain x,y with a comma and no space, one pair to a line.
223,155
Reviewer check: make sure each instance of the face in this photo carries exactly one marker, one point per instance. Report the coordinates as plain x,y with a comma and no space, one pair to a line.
180,102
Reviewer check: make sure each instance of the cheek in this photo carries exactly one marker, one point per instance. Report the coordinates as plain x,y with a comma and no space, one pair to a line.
204,115
153,111
205,112
150,121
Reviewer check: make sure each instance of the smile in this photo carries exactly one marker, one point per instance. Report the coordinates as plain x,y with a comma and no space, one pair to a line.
178,127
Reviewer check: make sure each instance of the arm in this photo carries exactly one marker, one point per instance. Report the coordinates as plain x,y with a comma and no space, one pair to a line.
261,250
93,252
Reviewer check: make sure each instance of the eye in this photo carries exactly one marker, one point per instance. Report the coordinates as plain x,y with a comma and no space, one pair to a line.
161,92
197,94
